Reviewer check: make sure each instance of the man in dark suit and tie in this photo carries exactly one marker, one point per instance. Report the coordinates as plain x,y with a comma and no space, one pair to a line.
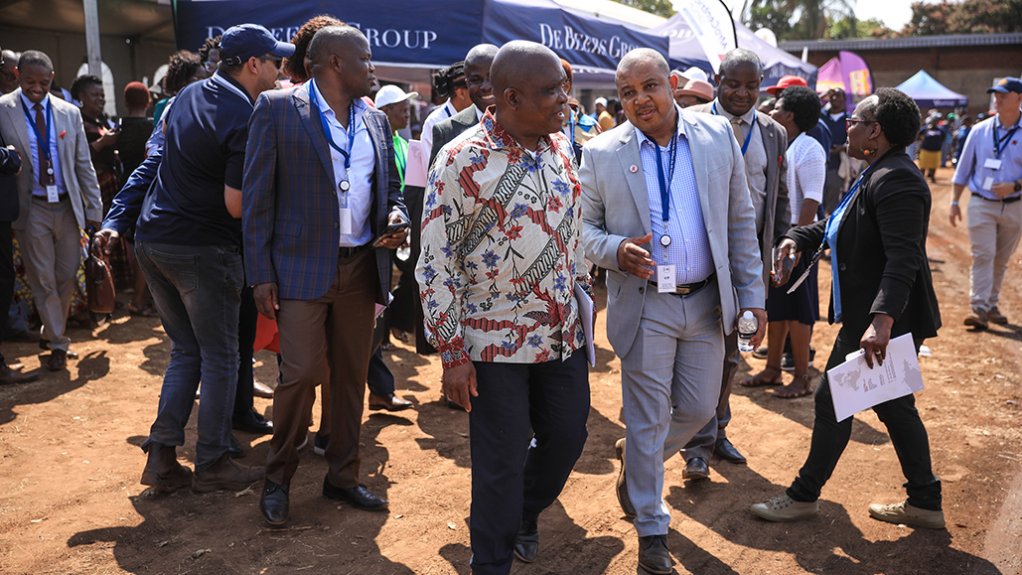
322,208
763,143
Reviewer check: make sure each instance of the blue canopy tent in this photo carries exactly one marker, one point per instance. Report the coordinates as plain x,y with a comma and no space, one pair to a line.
685,51
410,37
929,93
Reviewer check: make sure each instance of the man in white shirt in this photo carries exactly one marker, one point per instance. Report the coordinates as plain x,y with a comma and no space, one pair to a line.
451,82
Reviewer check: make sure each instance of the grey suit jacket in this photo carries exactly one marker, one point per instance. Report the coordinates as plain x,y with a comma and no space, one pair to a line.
615,206
72,151
776,209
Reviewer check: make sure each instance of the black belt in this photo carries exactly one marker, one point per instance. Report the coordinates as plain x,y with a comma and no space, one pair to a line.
60,198
346,252
688,289
1003,201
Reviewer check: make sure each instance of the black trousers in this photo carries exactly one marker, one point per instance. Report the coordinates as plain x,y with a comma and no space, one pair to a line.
527,429
247,319
6,277
908,435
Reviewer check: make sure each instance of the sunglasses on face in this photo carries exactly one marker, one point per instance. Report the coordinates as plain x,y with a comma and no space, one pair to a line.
849,122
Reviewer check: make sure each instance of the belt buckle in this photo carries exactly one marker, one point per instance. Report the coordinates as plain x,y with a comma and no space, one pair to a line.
684,290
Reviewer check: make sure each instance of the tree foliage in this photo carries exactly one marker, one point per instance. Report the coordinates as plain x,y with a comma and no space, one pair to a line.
968,17
658,7
798,19
851,27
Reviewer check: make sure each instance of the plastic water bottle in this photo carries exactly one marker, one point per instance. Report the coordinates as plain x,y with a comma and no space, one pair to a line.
747,326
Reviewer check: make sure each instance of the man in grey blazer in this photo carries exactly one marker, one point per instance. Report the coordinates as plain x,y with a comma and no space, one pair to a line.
763,144
57,192
677,277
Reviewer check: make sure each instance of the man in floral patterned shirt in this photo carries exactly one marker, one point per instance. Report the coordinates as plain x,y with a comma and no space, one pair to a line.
501,255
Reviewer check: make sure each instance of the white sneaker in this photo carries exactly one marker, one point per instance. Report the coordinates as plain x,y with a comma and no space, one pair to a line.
905,514
784,508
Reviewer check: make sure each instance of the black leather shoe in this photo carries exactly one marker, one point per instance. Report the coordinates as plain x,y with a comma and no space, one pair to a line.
57,360
527,541
727,451
696,469
260,389
358,496
390,403
253,423
274,503
654,556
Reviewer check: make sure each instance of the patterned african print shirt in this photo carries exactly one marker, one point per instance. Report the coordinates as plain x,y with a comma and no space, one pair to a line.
501,250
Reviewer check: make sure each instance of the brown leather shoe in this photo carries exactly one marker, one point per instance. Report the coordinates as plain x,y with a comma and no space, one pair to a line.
390,403
995,316
225,474
163,472
978,319
8,376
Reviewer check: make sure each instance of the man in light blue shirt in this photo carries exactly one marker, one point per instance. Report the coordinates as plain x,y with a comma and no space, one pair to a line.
991,167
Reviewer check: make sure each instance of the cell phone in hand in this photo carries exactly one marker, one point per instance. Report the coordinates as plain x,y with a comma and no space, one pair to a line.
391,229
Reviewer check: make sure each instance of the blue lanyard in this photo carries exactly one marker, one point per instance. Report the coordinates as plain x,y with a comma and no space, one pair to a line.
571,130
44,136
326,128
447,111
748,137
999,143
833,222
665,183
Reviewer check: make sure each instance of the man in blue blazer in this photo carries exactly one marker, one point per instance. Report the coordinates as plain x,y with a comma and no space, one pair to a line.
321,208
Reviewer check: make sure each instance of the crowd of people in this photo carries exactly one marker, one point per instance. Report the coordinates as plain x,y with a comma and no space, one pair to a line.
270,180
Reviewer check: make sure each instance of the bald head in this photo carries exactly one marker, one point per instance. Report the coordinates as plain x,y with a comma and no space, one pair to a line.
528,83
516,61
645,58
479,53
333,40
341,62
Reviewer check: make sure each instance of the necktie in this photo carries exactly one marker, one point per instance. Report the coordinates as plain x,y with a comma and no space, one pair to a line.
45,172
736,123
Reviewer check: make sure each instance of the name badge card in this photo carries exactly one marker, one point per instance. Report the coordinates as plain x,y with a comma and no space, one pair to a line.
52,195
988,183
345,212
666,279
992,163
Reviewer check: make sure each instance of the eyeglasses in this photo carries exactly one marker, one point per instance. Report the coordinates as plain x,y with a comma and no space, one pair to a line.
276,61
849,122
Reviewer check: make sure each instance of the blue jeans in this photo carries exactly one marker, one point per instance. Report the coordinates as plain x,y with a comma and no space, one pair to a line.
197,290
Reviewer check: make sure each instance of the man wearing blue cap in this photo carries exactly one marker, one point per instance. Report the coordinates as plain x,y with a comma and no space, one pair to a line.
991,167
188,244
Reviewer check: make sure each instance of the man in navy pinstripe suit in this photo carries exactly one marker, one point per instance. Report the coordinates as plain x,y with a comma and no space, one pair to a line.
321,208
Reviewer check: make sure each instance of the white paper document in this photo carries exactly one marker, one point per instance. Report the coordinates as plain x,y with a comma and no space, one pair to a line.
855,387
585,314
415,166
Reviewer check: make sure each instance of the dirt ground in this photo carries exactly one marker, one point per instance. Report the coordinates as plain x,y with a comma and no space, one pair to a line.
70,501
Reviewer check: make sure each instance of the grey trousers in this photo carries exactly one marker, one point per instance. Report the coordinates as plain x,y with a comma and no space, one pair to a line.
670,383
994,230
51,250
716,428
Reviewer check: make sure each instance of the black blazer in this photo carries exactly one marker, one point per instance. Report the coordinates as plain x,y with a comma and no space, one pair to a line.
10,163
882,262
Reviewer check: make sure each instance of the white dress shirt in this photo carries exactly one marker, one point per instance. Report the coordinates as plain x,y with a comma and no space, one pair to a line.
437,115
363,162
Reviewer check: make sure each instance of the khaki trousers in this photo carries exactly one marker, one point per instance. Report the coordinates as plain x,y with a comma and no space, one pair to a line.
994,230
51,250
337,327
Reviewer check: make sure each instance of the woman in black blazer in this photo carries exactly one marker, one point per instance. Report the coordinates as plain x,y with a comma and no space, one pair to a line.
881,289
